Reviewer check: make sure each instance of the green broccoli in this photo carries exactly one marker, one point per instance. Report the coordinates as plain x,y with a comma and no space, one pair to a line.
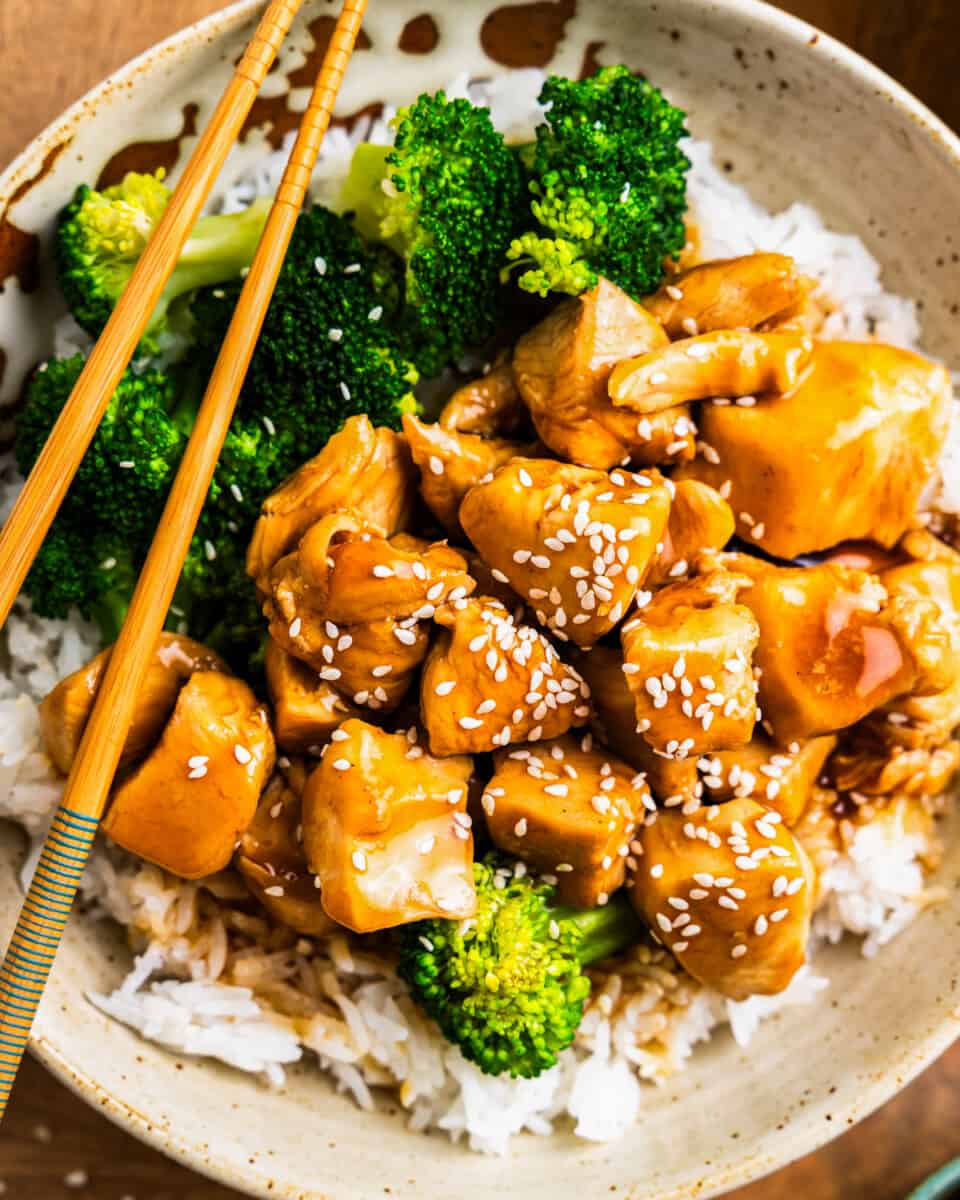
507,986
608,180
89,569
325,352
125,474
101,235
446,198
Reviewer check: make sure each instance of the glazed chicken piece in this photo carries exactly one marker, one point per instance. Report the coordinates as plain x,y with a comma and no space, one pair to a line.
352,605
700,519
781,779
490,406
193,797
568,809
272,862
730,891
834,646
489,681
730,362
688,660
362,468
371,664
845,455
672,780
450,463
562,367
492,583
64,712
345,572
575,543
868,766
386,831
729,293
306,708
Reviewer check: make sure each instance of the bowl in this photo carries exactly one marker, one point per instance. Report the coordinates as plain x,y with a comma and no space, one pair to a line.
793,114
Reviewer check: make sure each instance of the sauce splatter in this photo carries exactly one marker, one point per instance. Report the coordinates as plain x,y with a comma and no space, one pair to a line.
526,35
150,156
420,35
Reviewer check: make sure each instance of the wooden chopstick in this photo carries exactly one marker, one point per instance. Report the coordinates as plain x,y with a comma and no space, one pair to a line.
36,938
54,470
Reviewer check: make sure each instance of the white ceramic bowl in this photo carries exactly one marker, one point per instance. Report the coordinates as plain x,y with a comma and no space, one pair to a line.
797,116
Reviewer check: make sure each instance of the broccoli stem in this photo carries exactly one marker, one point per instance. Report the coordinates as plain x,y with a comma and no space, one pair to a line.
604,931
218,249
362,193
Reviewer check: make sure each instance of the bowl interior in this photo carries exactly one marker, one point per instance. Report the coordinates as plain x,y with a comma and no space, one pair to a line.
794,116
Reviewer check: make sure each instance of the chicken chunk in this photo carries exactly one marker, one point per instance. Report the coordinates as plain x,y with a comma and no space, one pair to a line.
832,648
344,572
272,862
490,406
729,891
700,519
489,681
570,810
64,711
688,659
862,434
869,767
361,468
562,367
353,606
306,708
730,362
575,543
783,780
671,780
188,803
450,463
729,293
386,831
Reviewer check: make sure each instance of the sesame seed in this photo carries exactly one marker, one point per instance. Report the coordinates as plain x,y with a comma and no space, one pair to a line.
382,571
436,465
520,829
522,556
665,923
656,871
375,313
242,754
76,1179
320,265
760,925
524,476
795,886
726,902
738,951
469,723
779,915
359,860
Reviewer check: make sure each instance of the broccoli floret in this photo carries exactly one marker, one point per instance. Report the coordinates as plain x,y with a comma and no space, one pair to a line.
507,986
102,234
89,557
125,474
446,198
90,570
325,352
608,181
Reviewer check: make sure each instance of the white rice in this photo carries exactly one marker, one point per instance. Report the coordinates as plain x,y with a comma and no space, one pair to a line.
205,984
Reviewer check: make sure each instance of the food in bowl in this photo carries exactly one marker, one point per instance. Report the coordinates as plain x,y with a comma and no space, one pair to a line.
586,721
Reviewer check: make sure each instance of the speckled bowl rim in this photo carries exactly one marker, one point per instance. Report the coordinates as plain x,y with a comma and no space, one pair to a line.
909,1061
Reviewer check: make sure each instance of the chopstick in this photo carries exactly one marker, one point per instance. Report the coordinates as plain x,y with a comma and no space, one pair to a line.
54,470
46,908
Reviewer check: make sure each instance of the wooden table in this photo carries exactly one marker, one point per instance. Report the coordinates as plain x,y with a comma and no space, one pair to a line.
50,52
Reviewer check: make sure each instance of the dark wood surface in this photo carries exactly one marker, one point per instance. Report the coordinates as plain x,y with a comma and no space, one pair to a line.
50,52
